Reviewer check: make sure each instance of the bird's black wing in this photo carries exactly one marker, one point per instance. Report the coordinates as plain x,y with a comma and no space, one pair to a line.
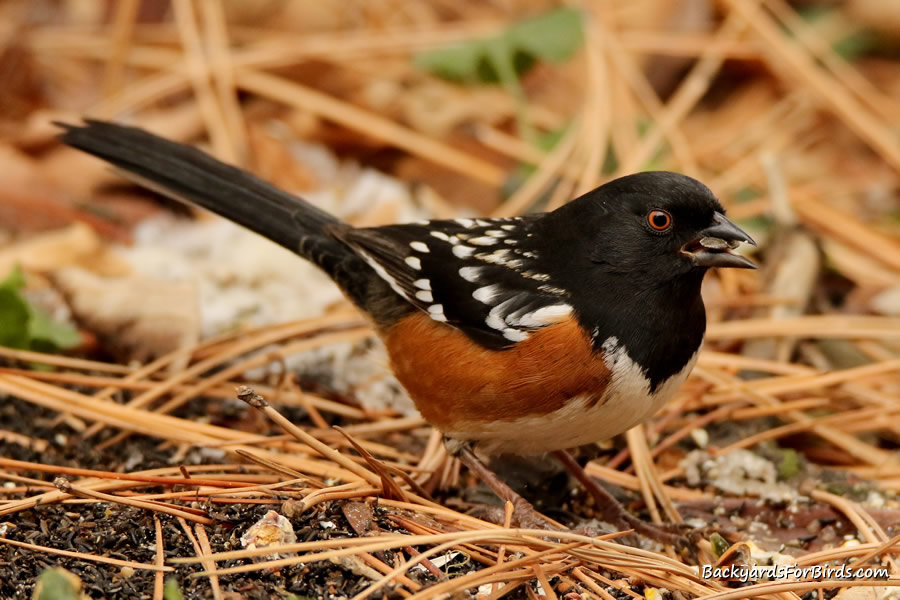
479,275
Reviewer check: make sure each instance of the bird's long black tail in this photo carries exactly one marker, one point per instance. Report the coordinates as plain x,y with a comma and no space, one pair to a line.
192,176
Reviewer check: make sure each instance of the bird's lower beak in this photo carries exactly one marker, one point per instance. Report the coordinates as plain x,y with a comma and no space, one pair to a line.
714,246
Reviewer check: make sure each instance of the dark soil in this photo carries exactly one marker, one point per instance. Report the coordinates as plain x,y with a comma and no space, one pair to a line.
127,533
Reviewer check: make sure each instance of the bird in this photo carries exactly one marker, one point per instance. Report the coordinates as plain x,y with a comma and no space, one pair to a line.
520,335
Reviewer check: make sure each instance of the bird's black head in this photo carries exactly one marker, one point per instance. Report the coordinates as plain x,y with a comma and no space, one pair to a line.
633,253
652,227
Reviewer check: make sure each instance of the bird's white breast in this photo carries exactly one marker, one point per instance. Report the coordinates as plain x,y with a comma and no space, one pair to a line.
626,402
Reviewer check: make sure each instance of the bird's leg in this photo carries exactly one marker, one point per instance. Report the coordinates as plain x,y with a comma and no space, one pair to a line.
523,511
613,512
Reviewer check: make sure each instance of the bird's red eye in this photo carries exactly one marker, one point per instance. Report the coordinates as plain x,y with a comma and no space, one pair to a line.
659,220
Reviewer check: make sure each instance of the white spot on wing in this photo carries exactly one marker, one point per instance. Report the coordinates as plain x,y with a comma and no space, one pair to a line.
467,223
500,254
436,312
536,276
487,294
424,296
483,241
422,284
414,262
508,227
483,223
552,290
440,235
463,251
470,274
382,272
419,247
500,257
494,320
544,316
515,335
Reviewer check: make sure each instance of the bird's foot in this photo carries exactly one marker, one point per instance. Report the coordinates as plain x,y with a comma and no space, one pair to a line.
611,511
678,535
524,514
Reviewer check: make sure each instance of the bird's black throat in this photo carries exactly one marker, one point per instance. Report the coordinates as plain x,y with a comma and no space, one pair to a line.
660,326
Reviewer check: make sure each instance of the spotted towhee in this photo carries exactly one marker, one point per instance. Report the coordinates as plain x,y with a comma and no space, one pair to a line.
519,335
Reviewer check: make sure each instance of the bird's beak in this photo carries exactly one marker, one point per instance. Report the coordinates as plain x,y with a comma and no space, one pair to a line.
713,248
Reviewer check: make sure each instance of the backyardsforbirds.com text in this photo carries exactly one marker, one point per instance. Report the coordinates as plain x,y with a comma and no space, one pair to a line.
775,572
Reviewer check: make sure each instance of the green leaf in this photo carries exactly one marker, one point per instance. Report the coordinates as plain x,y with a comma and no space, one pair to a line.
789,463
814,12
503,58
27,327
856,45
171,591
458,63
554,36
611,162
15,280
745,194
719,544
503,63
44,331
851,47
548,140
14,316
55,584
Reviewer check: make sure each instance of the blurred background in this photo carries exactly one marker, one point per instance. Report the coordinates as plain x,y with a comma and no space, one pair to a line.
390,110
386,110
394,110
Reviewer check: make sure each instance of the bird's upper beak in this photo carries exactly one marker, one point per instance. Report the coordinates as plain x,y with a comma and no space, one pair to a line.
713,247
